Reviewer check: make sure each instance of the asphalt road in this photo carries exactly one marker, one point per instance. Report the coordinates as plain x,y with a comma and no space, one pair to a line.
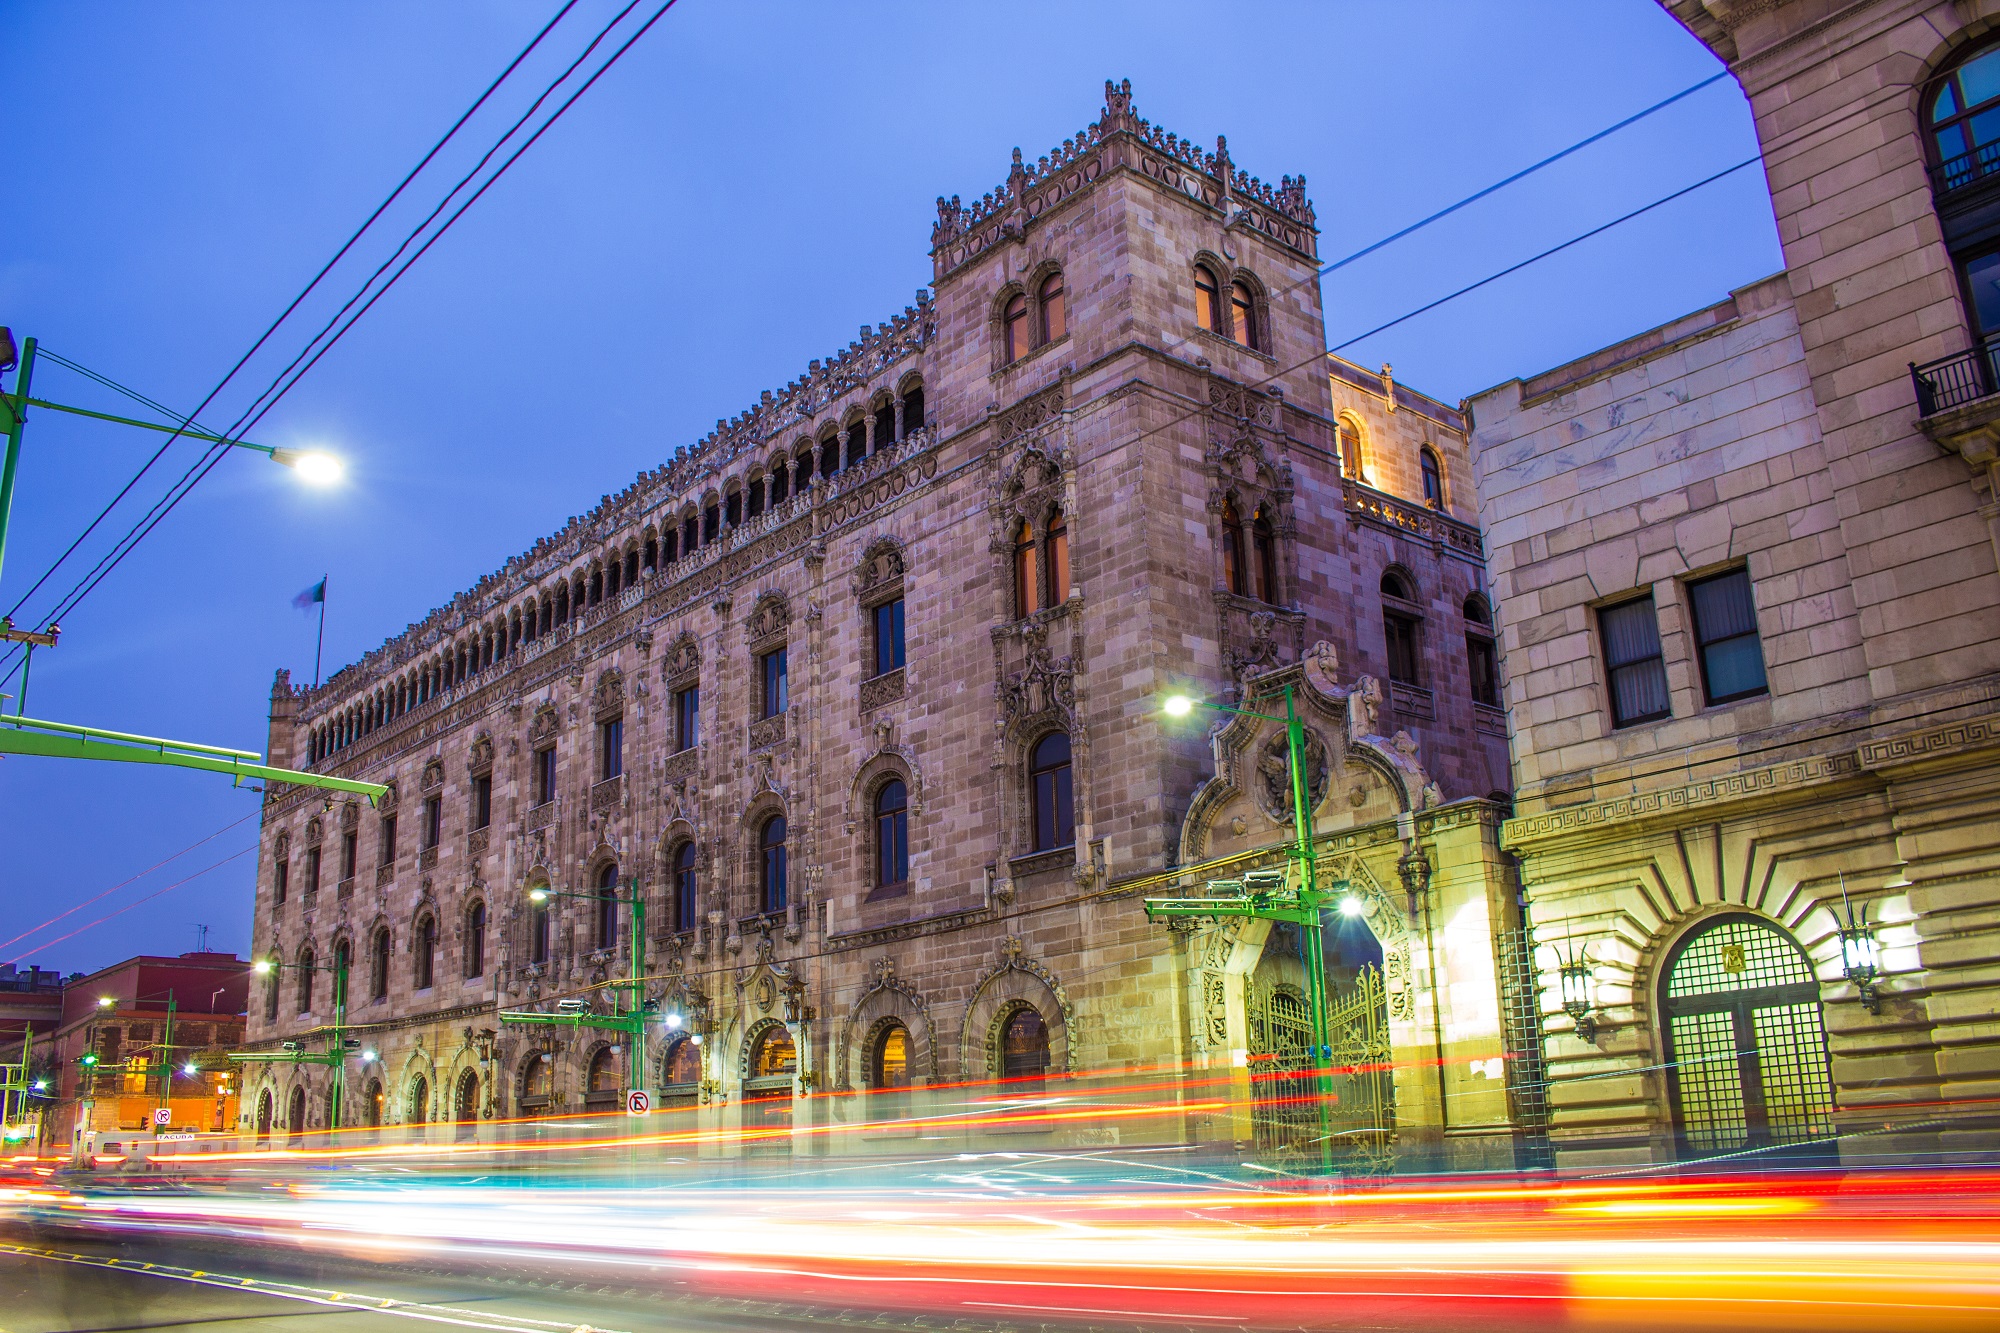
73,1283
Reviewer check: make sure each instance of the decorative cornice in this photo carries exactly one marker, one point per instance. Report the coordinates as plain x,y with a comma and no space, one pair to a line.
1774,780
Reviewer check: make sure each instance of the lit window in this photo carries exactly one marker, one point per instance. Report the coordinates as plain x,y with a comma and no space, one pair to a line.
1027,579
1024,1046
1348,438
890,1067
1264,538
1232,548
1057,545
1725,631
1055,320
1207,300
1433,479
1632,656
1014,328
1242,314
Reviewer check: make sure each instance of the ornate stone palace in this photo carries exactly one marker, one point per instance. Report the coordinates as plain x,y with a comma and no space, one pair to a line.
863,690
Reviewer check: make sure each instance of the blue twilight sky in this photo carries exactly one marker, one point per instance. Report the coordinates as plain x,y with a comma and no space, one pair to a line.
749,186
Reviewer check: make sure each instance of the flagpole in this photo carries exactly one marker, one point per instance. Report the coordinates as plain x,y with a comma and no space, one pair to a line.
321,643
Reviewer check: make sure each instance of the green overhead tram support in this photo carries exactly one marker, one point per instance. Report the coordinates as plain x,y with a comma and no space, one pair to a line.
338,1043
1270,897
63,740
630,1021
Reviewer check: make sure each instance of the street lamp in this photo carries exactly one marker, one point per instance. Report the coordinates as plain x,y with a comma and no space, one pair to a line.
1574,974
572,1011
334,1057
1302,908
1859,962
105,1002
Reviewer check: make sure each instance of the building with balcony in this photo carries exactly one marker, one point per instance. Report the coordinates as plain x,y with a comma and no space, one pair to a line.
862,692
1750,630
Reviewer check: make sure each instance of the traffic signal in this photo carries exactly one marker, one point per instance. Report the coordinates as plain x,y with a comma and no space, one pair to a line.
88,1058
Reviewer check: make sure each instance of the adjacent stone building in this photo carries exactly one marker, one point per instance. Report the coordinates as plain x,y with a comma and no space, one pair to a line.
863,691
1745,566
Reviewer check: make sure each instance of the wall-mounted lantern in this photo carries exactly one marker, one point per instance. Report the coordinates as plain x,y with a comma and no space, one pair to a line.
1575,973
1859,962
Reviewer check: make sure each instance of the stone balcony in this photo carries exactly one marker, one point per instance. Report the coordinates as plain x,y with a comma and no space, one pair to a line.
1958,402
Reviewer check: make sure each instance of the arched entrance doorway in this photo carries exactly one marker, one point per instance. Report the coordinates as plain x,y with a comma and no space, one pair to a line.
420,1103
295,1121
1746,1043
538,1086
264,1113
371,1109
767,1092
601,1083
465,1106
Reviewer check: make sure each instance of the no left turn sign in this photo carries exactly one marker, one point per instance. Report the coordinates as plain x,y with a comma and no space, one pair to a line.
638,1102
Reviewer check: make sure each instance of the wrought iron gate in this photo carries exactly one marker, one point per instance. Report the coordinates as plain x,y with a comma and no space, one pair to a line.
1361,1108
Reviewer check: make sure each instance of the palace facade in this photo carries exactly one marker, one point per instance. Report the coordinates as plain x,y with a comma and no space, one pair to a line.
1746,572
863,692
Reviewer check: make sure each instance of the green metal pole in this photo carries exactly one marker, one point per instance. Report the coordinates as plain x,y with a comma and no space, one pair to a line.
339,1048
167,1054
1312,947
636,1054
17,410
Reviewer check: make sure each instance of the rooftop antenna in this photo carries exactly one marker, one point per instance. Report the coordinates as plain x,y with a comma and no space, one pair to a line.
201,939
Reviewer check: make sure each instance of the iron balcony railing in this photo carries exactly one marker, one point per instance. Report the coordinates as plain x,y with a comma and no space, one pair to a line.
1955,173
1953,381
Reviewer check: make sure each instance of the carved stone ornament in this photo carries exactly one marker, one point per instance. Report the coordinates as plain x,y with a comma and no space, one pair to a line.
480,760
547,722
281,849
880,570
683,659
1274,775
387,801
312,832
609,697
1047,684
350,816
433,776
769,619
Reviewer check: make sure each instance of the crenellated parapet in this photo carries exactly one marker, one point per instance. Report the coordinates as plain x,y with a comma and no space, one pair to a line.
1121,138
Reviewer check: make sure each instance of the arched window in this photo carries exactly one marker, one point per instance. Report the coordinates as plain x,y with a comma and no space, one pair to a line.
681,1065
1964,132
1400,629
420,1101
538,933
684,898
306,974
1014,328
1264,540
913,409
1056,545
602,1084
779,489
829,455
596,587
264,1114
371,1104
1482,662
607,907
803,471
475,941
426,951
1024,1046
885,424
296,1120
538,1084
889,1059
1433,477
378,965
343,959
775,1055
771,883
1053,811
1233,573
465,1106
857,442
1207,299
892,835
1055,315
1027,578
1395,583
1243,314
1347,438
1746,1043
271,989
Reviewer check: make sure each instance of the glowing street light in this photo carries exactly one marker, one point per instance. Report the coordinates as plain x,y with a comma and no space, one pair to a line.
314,466
1178,705
1350,906
105,1002
189,1069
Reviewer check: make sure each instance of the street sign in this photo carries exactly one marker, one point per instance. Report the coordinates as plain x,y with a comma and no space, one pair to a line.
162,1116
638,1102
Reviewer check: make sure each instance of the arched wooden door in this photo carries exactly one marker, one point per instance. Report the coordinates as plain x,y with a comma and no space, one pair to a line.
296,1121
1746,1043
465,1106
264,1115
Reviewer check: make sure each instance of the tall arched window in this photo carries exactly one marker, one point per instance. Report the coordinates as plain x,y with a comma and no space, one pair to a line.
602,1083
465,1106
296,1121
1053,804
475,941
271,989
681,1065
306,974
607,907
1232,549
1014,328
1027,579
378,964
426,964
1433,472
1347,438
538,933
913,408
538,1084
1243,314
1207,299
1055,316
1024,1045
343,960
1264,539
892,835
1964,132
371,1104
1056,546
684,884
1746,1044
771,877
